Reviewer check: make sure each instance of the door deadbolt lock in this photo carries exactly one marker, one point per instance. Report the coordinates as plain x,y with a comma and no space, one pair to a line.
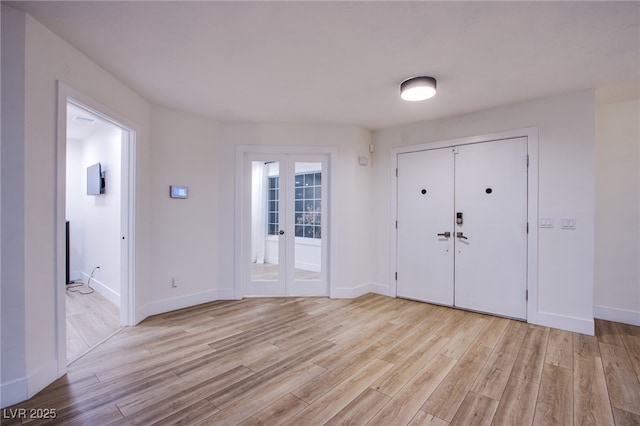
446,234
459,218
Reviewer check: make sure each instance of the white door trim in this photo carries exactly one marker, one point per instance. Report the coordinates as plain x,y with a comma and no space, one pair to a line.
242,234
127,220
531,134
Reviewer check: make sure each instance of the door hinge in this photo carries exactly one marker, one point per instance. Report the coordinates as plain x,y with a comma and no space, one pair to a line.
396,276
396,224
526,295
527,227
527,160
396,172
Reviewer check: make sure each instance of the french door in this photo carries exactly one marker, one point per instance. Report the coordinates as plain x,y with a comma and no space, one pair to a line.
462,226
288,222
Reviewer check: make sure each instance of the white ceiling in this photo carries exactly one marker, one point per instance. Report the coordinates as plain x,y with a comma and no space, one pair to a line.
342,62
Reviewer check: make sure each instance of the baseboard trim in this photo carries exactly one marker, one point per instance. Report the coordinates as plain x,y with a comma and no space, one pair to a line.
103,289
13,392
617,315
186,301
577,325
351,292
382,289
23,388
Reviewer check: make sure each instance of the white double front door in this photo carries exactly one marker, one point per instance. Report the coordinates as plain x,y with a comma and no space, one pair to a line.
462,226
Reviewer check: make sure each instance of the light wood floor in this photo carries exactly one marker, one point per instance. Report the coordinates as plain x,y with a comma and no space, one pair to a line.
91,318
269,271
373,360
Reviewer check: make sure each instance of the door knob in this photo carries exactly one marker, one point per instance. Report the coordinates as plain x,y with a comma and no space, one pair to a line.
281,232
461,235
446,234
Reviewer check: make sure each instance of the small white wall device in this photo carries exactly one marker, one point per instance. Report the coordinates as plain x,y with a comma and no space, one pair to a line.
178,191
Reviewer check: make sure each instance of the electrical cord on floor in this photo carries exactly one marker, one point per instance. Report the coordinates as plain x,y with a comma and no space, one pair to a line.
77,285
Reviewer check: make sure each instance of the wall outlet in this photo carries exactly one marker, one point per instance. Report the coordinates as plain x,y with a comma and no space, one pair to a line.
174,284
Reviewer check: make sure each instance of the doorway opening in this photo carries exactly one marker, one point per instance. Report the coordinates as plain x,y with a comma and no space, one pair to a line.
95,225
93,215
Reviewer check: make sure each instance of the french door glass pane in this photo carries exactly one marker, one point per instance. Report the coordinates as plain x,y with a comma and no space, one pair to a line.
307,221
265,218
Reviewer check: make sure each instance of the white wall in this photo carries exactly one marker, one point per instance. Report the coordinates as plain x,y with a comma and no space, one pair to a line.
566,189
617,231
94,220
184,235
32,359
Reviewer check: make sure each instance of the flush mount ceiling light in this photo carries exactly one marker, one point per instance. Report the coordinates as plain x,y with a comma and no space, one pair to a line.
418,88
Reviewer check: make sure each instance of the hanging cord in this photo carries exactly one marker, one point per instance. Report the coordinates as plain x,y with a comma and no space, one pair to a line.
73,287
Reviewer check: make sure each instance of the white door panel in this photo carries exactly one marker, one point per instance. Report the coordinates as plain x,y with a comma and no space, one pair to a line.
425,209
491,193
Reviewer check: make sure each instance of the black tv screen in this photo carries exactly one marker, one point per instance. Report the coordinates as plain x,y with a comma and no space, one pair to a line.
95,180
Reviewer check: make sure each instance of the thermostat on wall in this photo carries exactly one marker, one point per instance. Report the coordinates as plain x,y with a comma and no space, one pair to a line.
179,191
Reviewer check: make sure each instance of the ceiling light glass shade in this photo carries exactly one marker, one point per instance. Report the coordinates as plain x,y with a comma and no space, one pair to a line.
418,88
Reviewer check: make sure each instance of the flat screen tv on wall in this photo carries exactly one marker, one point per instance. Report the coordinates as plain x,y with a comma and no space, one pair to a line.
95,180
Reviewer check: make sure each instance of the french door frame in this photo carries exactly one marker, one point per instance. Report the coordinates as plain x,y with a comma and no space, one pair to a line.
532,210
244,153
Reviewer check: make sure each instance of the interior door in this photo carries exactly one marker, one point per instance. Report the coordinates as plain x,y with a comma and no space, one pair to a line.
425,211
287,254
491,250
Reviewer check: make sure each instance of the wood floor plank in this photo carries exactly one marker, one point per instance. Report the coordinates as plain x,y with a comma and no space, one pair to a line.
625,418
555,398
590,393
350,363
607,332
630,336
332,402
398,376
560,349
528,365
259,397
621,378
402,408
476,410
518,403
360,410
424,419
494,376
462,339
447,398
278,412
586,345
490,335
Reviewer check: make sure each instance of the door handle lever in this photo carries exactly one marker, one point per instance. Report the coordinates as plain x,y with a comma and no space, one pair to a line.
446,234
461,235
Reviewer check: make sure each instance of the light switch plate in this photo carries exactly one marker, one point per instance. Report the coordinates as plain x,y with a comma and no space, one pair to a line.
546,222
568,223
